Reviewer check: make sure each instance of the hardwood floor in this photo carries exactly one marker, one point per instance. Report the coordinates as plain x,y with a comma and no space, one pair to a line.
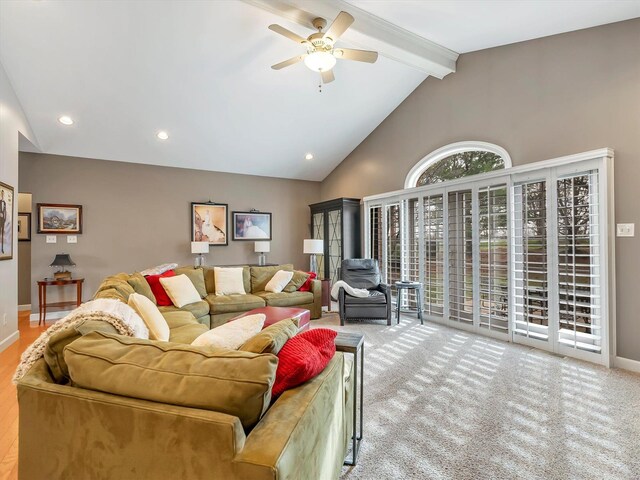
9,360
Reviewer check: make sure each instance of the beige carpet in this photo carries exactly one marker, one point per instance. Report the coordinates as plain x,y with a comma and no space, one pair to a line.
444,404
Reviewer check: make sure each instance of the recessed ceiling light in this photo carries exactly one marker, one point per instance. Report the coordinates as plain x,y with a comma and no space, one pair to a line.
308,156
65,120
162,135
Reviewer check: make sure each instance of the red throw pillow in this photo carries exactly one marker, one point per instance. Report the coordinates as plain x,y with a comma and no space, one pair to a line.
303,357
162,299
306,286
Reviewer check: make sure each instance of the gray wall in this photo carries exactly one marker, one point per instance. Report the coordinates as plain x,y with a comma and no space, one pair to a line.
539,99
137,216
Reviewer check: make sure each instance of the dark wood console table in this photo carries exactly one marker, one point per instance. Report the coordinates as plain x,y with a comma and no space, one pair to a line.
42,295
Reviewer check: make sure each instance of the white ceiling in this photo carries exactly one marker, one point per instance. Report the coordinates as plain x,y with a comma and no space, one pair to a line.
469,25
201,71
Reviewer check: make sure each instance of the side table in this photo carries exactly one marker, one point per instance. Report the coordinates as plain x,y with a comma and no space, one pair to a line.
353,343
417,286
42,295
326,293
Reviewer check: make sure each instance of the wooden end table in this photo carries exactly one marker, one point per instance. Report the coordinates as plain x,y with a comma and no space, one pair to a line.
326,293
42,295
353,343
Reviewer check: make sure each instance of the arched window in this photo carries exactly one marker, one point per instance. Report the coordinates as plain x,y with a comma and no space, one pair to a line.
457,160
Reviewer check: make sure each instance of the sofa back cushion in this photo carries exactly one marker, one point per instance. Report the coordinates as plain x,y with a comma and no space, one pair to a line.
260,276
272,338
196,275
141,286
210,282
53,352
118,287
298,280
231,382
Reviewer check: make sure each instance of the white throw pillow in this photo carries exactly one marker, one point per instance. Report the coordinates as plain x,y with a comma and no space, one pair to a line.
233,334
180,289
158,327
228,281
278,281
118,309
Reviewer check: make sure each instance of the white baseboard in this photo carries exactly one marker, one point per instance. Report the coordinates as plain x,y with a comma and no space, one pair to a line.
9,340
22,308
627,364
35,317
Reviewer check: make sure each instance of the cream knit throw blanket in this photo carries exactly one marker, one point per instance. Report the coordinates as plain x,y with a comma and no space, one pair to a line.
36,350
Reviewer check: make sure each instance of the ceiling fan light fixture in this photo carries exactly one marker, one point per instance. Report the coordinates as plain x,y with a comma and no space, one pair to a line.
320,61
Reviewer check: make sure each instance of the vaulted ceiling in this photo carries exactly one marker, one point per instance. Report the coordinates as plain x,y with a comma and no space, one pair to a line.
201,71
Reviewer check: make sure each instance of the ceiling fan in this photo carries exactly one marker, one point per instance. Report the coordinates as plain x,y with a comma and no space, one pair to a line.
321,52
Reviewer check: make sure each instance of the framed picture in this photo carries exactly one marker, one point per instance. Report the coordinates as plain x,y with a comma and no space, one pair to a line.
209,223
59,218
6,222
251,226
24,227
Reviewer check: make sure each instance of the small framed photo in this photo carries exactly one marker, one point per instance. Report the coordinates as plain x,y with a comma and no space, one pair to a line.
59,218
209,223
24,227
6,221
251,226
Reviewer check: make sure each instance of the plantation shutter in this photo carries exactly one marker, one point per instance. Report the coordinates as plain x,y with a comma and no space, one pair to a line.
394,245
579,300
411,250
433,225
460,256
375,234
530,268
493,258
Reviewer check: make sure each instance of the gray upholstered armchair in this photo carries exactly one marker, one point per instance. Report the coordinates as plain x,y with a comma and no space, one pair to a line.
364,273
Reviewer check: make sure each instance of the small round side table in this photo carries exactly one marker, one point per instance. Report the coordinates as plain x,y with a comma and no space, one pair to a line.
417,286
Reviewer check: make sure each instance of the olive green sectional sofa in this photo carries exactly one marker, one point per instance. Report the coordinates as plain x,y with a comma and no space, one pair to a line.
95,433
214,310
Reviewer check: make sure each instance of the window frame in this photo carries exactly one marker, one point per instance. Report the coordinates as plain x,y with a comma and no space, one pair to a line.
459,147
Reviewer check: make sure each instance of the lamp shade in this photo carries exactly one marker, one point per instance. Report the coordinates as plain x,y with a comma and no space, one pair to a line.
62,260
199,247
262,247
313,246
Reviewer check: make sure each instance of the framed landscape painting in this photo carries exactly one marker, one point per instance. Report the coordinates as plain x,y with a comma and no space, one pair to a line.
6,221
59,218
251,226
24,227
209,223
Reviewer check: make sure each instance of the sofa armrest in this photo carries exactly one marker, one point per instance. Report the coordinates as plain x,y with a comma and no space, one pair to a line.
316,289
99,435
303,434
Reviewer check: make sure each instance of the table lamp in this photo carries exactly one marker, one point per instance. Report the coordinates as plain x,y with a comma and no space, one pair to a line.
199,249
313,247
61,261
261,248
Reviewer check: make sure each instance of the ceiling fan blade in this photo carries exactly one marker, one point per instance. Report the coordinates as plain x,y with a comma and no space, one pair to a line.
357,55
327,76
291,61
339,26
287,33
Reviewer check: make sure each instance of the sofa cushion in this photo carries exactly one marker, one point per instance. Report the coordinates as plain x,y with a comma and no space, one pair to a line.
162,298
141,286
197,309
187,333
119,284
229,281
303,357
196,275
231,382
283,299
299,278
374,297
260,276
210,282
53,352
233,303
306,286
279,280
272,338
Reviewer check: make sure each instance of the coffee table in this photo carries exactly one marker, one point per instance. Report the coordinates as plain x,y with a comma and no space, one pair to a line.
274,314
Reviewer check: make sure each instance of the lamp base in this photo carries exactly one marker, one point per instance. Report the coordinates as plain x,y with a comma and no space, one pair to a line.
313,264
262,260
199,261
62,275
